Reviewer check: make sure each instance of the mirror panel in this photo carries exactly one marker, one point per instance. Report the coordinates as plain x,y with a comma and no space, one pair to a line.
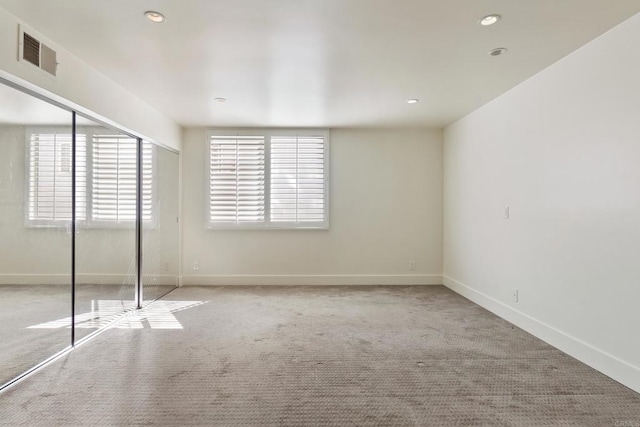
35,230
160,183
106,226
37,159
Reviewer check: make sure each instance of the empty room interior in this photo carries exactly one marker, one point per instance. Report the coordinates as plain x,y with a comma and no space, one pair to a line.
353,212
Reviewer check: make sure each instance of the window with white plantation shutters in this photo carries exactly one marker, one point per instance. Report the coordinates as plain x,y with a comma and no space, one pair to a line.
297,179
272,179
236,180
50,177
113,179
105,178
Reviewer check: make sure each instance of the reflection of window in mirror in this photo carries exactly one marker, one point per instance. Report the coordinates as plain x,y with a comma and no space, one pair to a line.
49,175
64,157
105,178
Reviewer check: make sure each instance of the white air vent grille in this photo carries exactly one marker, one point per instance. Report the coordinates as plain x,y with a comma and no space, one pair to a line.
31,49
36,53
48,60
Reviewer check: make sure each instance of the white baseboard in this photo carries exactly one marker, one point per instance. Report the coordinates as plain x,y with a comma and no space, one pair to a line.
610,365
104,279
338,279
160,280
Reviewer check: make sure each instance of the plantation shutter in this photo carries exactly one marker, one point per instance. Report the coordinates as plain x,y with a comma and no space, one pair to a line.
113,182
297,179
148,151
237,179
50,177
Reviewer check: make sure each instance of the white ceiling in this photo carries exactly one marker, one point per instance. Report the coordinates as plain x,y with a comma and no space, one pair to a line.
320,63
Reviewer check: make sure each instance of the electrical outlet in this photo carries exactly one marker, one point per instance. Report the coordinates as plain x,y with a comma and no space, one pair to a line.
165,266
196,265
507,212
515,295
412,265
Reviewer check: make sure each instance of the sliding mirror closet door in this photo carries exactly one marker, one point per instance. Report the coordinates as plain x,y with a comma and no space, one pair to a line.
106,235
35,231
160,181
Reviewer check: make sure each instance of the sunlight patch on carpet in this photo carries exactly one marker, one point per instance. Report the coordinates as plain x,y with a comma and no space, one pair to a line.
158,315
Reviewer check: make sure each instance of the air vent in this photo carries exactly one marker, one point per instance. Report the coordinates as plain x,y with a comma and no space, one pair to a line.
31,49
48,59
36,53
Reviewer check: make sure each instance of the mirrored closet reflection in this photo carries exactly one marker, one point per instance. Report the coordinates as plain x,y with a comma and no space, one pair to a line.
66,273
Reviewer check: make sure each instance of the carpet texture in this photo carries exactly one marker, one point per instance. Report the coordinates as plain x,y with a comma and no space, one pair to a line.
334,356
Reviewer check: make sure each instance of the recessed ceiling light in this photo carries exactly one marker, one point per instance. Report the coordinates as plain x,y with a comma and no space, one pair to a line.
498,51
489,20
220,99
412,101
153,16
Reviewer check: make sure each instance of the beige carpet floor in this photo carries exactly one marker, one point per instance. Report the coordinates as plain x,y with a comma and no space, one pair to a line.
334,356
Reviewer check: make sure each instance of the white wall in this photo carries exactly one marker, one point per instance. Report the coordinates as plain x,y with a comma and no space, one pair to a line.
385,210
563,151
83,85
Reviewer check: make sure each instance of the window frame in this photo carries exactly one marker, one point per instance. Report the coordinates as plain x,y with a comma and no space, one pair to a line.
88,221
267,133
